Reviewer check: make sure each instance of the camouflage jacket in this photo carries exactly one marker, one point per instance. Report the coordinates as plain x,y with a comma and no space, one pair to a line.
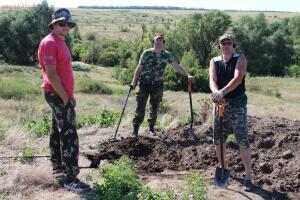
154,65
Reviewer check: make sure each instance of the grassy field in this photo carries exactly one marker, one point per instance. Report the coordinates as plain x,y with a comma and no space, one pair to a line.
126,24
21,96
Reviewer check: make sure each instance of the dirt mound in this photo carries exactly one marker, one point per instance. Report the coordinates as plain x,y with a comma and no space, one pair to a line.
275,156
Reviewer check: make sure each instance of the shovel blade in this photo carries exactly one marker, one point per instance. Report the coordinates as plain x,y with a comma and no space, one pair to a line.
221,177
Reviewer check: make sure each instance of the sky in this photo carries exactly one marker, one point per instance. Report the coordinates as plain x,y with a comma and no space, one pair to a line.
271,5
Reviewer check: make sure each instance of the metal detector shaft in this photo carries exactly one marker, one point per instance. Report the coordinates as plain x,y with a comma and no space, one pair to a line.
130,88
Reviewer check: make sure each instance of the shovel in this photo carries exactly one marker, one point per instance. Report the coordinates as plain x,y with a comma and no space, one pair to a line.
130,88
221,174
191,107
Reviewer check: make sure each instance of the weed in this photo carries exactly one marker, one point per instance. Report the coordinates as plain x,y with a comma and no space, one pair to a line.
197,188
40,127
26,155
105,118
119,181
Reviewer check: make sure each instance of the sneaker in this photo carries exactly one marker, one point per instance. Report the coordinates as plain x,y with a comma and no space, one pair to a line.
248,186
151,131
77,186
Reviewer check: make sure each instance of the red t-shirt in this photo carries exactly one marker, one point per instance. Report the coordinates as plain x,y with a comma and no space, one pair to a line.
54,51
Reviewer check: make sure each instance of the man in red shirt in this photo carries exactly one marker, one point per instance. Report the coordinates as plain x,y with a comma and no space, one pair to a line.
58,85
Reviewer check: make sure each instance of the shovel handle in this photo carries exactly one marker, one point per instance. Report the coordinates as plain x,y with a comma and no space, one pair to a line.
221,106
189,85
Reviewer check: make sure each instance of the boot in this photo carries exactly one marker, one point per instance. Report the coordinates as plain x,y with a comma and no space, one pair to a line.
135,132
151,130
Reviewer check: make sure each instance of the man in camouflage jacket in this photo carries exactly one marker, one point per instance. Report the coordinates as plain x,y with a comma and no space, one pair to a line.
149,73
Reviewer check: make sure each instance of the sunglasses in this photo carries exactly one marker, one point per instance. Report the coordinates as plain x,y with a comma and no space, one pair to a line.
226,43
63,23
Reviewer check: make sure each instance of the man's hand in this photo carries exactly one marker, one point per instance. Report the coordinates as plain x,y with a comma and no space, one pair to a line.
190,78
73,101
132,85
217,96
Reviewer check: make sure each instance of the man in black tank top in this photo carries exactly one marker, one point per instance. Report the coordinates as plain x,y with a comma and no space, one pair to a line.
227,80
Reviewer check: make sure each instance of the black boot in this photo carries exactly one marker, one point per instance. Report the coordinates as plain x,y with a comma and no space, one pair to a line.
151,130
135,132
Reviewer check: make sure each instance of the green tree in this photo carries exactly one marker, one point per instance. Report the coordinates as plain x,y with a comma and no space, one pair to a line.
21,32
201,32
267,46
294,27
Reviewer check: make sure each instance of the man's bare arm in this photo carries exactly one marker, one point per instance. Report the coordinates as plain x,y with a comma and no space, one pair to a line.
239,74
56,82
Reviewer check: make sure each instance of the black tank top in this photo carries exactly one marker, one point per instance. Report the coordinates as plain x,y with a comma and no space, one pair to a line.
225,73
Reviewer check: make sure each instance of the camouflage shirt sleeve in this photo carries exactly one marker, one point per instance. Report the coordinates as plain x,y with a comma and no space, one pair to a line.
171,58
143,58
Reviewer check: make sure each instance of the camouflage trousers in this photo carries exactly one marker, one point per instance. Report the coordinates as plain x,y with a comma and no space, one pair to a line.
64,144
234,122
156,93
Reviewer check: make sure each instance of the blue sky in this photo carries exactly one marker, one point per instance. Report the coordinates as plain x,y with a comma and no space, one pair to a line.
278,5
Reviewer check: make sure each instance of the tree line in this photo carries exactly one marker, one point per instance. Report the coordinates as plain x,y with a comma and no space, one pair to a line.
271,48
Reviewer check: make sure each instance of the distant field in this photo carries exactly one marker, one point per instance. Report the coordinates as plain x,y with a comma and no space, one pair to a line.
126,24
108,23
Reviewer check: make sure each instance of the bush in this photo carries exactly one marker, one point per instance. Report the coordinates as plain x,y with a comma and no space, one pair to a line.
91,36
17,89
294,71
119,182
109,59
91,86
124,29
78,51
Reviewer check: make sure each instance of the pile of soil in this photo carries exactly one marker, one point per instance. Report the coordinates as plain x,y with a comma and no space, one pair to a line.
275,146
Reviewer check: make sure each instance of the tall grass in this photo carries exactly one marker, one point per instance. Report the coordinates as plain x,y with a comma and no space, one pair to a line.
17,89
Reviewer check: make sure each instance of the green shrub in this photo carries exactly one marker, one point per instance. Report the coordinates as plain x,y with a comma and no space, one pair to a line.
294,71
231,139
119,182
17,89
40,127
91,86
105,118
90,36
109,59
124,29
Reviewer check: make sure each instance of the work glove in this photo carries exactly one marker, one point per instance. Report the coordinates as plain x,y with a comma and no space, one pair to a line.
217,97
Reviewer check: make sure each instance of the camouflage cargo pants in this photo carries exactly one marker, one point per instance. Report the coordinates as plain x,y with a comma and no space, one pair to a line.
156,93
64,144
234,122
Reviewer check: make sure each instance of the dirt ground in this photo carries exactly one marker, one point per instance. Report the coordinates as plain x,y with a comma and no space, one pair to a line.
275,158
166,159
